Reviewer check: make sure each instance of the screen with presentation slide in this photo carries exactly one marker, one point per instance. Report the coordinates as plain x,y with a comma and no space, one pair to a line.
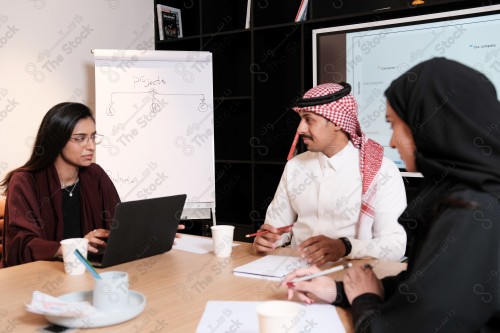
370,55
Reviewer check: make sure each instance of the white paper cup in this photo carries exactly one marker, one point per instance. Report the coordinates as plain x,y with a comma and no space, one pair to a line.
278,316
111,291
222,236
73,265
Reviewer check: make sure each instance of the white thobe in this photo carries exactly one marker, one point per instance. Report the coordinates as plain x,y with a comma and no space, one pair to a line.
322,196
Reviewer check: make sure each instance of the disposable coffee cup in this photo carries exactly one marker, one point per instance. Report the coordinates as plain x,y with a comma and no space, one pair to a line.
222,236
111,291
278,316
73,265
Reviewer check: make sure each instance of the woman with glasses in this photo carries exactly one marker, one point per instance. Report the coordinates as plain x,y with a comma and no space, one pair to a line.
58,193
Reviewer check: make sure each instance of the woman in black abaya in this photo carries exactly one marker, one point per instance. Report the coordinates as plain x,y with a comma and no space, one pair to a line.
446,124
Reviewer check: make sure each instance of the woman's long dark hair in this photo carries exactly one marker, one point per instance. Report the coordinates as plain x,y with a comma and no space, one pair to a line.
54,132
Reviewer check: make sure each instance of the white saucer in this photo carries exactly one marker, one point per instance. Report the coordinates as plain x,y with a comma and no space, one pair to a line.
136,302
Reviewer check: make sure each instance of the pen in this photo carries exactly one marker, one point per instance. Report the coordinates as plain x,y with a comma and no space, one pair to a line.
87,264
326,271
266,231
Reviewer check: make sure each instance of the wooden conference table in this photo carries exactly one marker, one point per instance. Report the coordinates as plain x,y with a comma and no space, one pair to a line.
177,285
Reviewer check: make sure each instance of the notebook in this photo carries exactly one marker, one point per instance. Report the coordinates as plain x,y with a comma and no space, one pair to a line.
141,229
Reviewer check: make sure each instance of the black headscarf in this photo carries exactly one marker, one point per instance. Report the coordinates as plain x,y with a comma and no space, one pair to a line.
454,115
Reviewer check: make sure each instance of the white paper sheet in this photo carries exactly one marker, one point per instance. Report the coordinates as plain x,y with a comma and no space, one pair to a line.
193,244
241,317
48,305
270,267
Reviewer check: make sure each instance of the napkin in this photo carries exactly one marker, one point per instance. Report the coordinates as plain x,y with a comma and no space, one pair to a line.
48,305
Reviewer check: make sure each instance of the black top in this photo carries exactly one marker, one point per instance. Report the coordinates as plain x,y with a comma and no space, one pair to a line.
453,282
71,211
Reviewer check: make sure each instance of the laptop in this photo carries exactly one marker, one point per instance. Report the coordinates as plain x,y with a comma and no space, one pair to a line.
141,229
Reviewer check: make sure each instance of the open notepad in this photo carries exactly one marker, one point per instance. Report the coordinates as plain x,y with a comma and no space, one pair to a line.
270,267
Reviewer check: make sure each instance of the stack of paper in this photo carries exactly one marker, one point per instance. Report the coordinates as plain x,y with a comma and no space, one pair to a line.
195,244
270,267
241,317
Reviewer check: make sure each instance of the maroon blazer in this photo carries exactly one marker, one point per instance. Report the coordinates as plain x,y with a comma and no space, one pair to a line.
33,213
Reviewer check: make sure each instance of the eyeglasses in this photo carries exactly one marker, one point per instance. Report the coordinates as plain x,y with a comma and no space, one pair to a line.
84,140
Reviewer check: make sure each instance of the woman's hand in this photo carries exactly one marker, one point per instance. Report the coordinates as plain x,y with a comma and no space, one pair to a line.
361,280
323,287
96,239
179,227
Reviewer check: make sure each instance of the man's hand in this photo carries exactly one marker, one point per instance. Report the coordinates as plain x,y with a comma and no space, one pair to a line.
321,249
267,242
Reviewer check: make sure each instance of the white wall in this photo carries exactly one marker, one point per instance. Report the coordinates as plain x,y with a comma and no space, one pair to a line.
45,59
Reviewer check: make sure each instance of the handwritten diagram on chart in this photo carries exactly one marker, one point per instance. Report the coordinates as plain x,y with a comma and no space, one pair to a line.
155,110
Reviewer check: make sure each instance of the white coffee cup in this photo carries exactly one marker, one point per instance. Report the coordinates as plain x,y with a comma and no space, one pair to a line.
278,316
222,236
73,265
111,291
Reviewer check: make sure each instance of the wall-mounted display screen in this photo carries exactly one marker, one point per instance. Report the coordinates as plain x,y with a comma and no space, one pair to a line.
370,55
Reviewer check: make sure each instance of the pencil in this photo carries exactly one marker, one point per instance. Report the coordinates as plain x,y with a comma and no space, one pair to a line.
326,271
265,231
87,264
